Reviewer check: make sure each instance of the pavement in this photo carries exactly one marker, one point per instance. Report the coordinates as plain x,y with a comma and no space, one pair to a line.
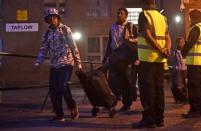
21,111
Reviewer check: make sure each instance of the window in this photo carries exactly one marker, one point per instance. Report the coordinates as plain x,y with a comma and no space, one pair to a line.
1,10
96,48
1,50
59,4
133,14
98,8
93,45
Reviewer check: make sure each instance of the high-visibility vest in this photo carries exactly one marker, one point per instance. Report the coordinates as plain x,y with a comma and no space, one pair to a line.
194,55
158,26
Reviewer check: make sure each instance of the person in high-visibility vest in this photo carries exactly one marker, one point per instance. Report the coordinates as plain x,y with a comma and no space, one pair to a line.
192,52
154,45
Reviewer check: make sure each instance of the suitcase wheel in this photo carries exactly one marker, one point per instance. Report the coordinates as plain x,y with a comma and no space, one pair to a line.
95,111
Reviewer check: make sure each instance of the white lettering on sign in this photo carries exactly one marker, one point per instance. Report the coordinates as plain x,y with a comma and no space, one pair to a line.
133,14
21,27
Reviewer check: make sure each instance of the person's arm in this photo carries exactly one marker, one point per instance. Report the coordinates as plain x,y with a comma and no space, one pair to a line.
135,36
43,49
148,36
191,40
168,44
146,32
134,31
142,23
108,49
74,49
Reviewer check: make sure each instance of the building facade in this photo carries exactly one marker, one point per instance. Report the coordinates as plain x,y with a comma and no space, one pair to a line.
22,24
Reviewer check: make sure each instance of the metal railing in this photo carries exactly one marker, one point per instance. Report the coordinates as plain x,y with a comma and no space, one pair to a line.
37,86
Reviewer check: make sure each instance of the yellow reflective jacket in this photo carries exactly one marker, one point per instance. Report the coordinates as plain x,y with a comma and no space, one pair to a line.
194,55
158,26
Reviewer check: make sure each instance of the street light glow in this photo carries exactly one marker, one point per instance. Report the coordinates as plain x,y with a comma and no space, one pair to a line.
77,35
178,19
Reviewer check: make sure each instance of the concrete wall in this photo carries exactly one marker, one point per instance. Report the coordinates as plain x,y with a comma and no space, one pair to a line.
18,71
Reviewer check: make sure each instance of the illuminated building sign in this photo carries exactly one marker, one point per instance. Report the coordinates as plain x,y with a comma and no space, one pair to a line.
21,27
133,14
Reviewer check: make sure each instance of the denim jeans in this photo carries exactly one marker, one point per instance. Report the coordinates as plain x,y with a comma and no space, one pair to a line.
59,88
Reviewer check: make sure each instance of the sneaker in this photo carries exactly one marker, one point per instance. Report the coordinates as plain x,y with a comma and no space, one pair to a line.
58,118
75,113
112,112
124,108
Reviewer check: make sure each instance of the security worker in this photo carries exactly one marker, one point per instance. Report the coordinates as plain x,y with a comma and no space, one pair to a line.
192,52
153,49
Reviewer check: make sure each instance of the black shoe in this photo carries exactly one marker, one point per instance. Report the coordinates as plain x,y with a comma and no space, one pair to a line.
178,102
159,124
191,114
119,98
95,111
185,102
58,118
143,124
125,108
112,112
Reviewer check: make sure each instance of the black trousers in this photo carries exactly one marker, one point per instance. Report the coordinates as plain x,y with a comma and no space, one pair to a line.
194,87
120,85
133,80
59,88
151,79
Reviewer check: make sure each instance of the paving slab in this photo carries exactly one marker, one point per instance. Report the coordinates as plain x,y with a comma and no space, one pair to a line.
21,111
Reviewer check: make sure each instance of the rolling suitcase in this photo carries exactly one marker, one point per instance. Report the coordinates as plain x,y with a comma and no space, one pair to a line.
97,90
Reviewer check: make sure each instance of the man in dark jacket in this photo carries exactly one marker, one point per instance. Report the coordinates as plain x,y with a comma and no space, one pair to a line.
118,56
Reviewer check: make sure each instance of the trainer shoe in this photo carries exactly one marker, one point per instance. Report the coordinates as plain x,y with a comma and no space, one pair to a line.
58,118
75,113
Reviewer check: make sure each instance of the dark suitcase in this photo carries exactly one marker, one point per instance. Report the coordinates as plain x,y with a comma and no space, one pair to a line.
96,88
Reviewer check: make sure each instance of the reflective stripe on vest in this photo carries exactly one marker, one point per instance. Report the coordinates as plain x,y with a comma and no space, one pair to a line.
158,25
194,55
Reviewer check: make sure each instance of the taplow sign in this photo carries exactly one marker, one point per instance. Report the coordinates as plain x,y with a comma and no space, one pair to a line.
21,27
